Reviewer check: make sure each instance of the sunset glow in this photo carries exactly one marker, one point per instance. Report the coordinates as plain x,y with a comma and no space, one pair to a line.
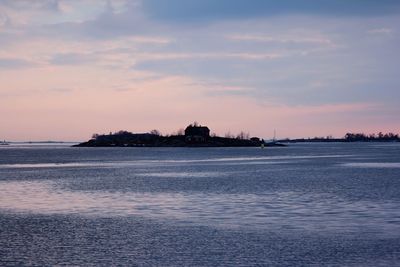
69,69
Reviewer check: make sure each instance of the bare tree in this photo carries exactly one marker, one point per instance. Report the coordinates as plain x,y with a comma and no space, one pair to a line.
229,135
155,132
243,136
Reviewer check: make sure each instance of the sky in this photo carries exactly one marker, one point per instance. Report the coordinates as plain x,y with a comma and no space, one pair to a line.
304,68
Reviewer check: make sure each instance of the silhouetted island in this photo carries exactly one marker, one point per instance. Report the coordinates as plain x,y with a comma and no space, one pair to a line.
194,136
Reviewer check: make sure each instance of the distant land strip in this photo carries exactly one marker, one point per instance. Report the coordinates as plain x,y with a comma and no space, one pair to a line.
349,137
196,135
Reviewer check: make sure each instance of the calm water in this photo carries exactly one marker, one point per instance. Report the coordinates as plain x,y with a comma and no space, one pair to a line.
307,204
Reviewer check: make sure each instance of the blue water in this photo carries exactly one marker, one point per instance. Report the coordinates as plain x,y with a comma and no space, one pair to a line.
306,204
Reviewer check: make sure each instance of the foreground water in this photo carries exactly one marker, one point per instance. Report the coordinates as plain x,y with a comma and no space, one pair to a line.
307,204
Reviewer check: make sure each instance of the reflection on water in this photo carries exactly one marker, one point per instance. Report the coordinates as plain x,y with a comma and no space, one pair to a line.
278,210
372,164
183,174
235,160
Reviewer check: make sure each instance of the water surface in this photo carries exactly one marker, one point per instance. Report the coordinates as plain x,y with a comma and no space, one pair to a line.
320,204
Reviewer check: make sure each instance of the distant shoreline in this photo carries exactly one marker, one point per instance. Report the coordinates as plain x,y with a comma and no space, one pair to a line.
336,140
196,135
41,142
199,136
333,141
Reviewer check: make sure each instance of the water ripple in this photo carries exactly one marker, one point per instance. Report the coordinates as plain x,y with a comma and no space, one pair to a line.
372,164
234,160
278,210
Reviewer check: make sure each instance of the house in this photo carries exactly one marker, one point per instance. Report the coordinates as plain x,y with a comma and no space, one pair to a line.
196,133
255,139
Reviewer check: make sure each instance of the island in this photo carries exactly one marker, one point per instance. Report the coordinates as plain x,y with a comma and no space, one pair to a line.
194,135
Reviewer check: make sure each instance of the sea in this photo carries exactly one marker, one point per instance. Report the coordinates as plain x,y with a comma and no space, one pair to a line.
307,204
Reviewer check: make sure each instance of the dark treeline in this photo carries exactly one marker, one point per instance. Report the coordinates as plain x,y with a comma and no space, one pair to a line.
351,137
371,137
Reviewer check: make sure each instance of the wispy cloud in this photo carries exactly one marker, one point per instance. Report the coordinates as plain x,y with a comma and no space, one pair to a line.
220,55
211,10
31,4
14,63
381,31
300,65
72,59
281,39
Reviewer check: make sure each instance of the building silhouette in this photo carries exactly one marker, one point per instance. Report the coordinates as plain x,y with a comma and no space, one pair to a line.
196,134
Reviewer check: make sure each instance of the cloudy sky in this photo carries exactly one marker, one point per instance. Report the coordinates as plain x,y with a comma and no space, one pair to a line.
69,69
